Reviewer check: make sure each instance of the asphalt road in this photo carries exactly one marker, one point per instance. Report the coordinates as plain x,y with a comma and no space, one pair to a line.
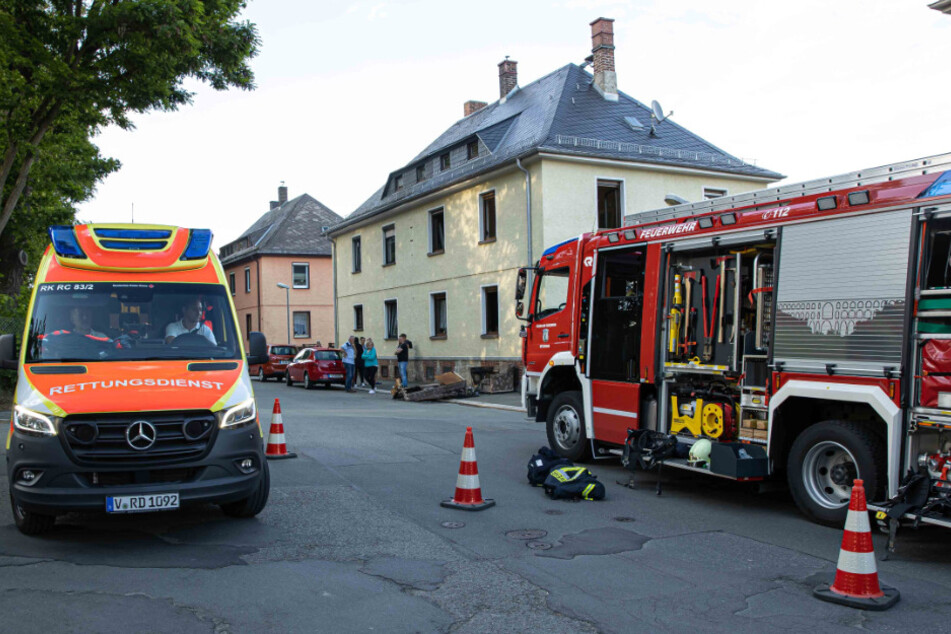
353,539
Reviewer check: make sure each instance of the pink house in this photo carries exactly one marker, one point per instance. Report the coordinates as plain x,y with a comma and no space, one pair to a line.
281,274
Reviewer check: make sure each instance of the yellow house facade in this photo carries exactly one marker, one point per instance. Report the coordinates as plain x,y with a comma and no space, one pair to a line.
435,252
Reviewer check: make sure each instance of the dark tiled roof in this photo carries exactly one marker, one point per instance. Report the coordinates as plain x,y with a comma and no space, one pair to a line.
561,113
293,228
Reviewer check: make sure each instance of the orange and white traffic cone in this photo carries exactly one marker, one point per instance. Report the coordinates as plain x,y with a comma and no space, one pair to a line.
856,575
276,446
468,495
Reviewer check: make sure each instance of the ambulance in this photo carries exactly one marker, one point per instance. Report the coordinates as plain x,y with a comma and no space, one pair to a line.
132,390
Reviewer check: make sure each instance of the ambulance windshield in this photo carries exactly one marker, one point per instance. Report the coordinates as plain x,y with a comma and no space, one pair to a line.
117,321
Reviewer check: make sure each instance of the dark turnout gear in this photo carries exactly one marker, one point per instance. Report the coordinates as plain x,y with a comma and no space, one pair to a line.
541,465
573,482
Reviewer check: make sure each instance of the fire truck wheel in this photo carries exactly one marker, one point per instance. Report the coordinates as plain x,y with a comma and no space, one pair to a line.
823,462
566,426
253,504
28,522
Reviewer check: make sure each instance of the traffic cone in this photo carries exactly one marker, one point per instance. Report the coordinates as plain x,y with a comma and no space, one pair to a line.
468,492
276,447
856,576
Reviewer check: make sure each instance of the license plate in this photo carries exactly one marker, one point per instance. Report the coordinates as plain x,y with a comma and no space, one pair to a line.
141,503
335,376
283,362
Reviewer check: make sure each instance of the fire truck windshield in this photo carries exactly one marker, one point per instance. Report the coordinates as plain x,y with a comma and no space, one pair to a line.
106,321
552,292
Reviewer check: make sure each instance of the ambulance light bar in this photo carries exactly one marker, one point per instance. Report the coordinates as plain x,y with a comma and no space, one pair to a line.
199,244
64,242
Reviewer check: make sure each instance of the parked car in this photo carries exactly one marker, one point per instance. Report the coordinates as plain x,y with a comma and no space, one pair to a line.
316,365
277,359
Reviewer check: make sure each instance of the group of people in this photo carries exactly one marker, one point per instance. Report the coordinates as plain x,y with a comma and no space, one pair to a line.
360,361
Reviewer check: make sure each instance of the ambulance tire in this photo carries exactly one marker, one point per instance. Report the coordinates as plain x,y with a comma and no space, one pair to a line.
852,451
253,504
28,522
565,427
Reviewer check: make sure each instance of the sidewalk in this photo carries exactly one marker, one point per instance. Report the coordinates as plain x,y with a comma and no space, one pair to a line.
508,401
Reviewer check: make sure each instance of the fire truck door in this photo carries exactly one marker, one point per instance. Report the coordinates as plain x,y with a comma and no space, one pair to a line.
614,344
550,330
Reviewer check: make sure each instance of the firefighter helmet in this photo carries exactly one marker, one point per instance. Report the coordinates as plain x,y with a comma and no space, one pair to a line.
700,452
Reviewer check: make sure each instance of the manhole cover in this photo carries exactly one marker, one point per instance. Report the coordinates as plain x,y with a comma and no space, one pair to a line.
554,512
453,524
527,534
623,518
538,545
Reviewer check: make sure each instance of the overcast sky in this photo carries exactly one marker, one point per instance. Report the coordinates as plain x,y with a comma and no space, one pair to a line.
349,91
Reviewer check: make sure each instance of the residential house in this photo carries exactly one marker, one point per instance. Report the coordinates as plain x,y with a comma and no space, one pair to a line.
435,251
287,245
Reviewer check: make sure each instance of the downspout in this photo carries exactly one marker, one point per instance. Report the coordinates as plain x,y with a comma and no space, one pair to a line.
333,257
528,210
257,271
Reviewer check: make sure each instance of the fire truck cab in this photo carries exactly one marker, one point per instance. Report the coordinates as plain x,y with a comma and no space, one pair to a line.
803,330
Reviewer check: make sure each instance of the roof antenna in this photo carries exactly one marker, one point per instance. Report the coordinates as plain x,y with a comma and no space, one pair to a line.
133,213
657,116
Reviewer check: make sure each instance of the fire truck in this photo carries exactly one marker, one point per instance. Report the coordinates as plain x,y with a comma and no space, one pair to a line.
803,331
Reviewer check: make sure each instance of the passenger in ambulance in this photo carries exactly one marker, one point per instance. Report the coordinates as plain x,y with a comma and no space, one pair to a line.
80,317
190,323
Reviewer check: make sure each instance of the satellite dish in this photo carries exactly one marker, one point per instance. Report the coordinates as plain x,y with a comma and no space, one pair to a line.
657,116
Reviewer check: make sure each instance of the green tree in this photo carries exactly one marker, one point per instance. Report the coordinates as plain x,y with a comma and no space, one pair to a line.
72,66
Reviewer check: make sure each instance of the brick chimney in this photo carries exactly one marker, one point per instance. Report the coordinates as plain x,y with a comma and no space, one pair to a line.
282,194
508,76
473,106
602,46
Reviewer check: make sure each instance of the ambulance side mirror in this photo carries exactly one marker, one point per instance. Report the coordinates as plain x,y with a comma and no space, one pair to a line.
8,352
257,344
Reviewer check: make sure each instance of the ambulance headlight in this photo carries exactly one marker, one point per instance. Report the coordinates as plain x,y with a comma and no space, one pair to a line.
32,423
239,415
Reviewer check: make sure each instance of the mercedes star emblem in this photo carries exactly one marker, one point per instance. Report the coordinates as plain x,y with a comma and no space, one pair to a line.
141,435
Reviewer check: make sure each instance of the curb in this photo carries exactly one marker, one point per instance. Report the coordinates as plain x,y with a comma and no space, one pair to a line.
507,408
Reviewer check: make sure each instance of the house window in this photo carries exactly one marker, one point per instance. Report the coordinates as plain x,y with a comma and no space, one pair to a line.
490,311
231,284
301,324
390,319
399,182
301,275
247,325
472,150
420,173
389,245
609,204
437,314
355,247
247,280
444,161
358,317
487,217
437,232
713,192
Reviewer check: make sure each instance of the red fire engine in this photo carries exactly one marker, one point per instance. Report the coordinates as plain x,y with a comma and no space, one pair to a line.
802,330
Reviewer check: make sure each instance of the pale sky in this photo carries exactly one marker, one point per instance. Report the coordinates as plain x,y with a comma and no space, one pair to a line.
348,92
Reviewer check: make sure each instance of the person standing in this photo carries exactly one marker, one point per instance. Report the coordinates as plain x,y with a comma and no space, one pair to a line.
358,361
349,354
402,356
370,364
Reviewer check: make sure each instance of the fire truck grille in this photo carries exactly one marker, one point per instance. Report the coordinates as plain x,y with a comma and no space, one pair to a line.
138,438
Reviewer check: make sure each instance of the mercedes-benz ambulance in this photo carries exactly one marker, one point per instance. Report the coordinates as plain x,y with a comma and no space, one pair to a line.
132,391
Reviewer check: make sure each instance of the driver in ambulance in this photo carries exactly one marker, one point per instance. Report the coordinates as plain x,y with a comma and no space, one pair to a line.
80,317
190,323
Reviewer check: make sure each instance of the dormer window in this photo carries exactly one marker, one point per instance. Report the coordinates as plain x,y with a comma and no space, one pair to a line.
472,150
398,182
444,161
420,174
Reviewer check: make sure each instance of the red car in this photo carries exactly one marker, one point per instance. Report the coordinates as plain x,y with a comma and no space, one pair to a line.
277,359
316,365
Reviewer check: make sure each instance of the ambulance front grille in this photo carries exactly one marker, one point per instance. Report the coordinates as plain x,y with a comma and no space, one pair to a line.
100,439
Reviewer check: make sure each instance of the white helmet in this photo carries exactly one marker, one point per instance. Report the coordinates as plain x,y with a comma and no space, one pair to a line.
700,452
